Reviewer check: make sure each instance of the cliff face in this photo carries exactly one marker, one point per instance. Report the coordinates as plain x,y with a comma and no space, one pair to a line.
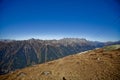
19,54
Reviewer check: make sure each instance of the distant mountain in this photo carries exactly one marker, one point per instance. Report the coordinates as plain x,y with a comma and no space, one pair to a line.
15,54
97,64
6,40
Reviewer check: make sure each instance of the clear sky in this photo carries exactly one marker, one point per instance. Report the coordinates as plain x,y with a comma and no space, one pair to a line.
54,19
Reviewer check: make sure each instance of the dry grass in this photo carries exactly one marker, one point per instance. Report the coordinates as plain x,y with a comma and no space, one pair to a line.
97,64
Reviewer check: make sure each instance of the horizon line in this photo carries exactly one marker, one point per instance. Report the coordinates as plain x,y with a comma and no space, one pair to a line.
58,39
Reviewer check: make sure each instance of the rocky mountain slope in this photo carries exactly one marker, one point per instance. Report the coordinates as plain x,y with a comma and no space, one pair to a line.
19,54
97,64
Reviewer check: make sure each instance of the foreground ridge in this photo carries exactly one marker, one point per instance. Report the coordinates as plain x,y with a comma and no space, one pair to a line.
97,64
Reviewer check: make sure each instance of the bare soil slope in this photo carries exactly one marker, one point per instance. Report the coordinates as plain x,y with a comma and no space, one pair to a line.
98,64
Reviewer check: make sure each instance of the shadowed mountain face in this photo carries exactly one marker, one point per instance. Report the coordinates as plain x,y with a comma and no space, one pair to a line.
19,54
97,64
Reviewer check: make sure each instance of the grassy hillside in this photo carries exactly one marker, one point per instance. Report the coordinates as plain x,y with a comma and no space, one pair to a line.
98,64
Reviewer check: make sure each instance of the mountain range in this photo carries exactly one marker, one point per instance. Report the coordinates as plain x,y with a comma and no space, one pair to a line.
98,64
17,54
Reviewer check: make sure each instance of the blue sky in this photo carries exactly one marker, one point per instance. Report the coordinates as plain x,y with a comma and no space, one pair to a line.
54,19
